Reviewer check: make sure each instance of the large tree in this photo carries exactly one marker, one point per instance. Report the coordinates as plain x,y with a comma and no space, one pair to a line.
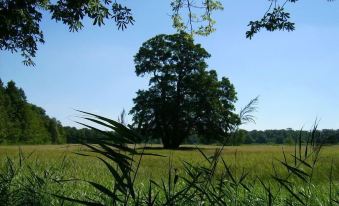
183,98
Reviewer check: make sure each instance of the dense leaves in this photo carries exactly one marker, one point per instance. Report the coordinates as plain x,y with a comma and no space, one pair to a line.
19,27
275,19
20,20
183,98
22,122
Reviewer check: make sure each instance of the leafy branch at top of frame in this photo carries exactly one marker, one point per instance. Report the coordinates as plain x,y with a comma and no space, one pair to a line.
187,16
20,21
275,18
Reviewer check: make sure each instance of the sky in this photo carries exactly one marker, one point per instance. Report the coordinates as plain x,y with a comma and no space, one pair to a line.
295,74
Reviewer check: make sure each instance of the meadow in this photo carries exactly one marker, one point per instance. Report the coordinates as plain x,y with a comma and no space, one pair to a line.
257,159
63,162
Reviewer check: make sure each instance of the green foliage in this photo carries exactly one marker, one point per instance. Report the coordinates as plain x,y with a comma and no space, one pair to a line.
23,182
215,182
20,25
22,122
186,15
275,18
288,136
112,150
83,135
57,132
20,28
254,160
20,20
183,98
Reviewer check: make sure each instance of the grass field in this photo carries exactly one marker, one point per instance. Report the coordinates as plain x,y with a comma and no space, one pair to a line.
256,159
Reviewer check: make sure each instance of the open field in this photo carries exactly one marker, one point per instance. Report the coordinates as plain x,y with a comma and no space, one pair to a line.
63,161
257,159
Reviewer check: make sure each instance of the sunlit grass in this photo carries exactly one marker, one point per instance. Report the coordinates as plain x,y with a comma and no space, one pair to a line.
63,163
257,159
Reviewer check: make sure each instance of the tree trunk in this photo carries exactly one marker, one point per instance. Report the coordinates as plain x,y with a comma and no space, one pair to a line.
171,145
171,142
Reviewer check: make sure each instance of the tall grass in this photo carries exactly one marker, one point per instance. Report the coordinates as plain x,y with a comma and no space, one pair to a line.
25,183
214,181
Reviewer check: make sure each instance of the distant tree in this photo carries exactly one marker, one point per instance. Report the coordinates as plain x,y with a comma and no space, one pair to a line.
331,136
35,129
71,135
248,139
260,137
22,122
183,98
289,140
240,137
279,140
83,135
56,131
3,113
15,111
289,136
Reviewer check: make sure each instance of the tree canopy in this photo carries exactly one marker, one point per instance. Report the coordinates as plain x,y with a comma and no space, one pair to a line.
20,20
183,98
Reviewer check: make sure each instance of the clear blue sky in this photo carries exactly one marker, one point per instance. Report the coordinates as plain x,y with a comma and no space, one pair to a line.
295,74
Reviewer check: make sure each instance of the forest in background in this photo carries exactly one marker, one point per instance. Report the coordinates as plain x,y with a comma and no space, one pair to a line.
25,123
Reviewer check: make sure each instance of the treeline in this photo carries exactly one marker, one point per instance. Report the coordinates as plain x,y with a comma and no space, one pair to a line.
283,136
83,135
275,136
286,136
25,123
